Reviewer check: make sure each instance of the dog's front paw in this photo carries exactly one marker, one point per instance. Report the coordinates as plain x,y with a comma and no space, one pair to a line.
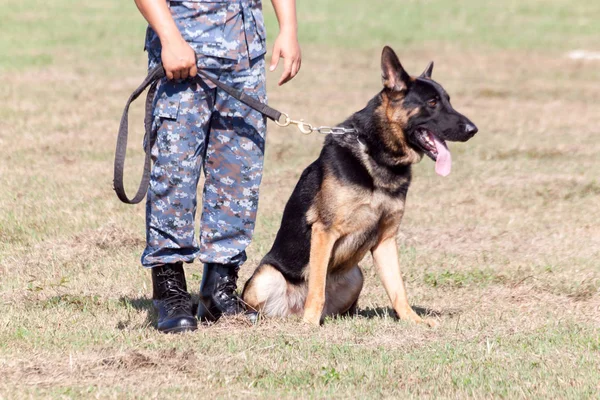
429,322
410,315
312,318
313,310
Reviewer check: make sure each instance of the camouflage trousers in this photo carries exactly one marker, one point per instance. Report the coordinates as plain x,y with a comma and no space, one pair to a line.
201,128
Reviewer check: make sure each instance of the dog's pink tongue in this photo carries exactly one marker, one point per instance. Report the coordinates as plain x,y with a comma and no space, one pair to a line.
443,163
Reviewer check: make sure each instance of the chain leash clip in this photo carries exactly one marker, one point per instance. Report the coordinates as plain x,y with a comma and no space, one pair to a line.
307,128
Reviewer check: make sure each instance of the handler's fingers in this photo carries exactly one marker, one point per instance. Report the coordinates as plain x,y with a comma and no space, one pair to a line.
193,71
287,72
169,74
275,58
183,73
295,68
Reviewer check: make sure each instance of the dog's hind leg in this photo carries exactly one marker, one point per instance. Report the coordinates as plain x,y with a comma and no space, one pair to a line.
268,293
352,311
342,292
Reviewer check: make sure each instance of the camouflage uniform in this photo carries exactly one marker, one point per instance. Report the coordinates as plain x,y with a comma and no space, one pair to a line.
199,126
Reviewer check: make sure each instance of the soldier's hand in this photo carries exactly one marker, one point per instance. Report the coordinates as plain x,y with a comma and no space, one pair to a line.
286,47
178,59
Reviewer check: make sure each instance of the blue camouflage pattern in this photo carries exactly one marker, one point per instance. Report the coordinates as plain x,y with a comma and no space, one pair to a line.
199,127
233,30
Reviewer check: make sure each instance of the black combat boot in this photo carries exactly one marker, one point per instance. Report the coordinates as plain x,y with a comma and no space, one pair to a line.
217,292
171,299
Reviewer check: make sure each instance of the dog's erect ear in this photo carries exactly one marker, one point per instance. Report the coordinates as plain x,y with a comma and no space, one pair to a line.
393,75
428,71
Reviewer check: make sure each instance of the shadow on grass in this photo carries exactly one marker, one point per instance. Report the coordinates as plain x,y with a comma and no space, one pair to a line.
380,312
139,304
145,304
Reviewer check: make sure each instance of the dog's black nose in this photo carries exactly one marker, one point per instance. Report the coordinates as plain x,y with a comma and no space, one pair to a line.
470,129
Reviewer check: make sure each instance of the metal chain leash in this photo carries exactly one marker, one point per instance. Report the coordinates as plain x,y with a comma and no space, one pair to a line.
307,128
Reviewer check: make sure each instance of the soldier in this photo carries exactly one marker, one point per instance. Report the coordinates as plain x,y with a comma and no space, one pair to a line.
201,127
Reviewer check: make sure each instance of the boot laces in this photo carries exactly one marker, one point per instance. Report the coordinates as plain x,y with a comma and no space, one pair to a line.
176,298
227,287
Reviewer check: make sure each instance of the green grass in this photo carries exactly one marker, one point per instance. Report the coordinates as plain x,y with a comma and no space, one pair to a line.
503,253
39,33
506,24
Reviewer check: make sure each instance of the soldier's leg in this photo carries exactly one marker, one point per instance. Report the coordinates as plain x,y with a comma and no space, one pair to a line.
182,117
233,170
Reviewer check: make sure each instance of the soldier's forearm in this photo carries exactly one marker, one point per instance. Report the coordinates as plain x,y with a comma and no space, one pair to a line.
286,15
159,17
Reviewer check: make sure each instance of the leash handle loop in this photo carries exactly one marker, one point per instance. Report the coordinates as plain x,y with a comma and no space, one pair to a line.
121,151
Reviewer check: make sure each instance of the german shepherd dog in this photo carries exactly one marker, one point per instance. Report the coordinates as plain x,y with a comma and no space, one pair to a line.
351,200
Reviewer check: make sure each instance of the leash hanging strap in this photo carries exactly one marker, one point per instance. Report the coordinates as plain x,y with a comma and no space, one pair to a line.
151,81
244,98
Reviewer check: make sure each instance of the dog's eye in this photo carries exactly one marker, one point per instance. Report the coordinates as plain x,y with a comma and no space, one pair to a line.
433,102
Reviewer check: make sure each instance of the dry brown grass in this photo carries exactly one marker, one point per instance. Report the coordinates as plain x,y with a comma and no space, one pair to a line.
504,251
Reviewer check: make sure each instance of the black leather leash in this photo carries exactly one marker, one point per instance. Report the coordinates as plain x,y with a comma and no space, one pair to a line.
151,81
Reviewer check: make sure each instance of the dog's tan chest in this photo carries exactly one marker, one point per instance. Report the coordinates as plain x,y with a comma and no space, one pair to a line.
365,221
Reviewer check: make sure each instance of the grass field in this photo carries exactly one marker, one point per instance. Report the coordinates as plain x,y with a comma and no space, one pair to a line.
505,251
